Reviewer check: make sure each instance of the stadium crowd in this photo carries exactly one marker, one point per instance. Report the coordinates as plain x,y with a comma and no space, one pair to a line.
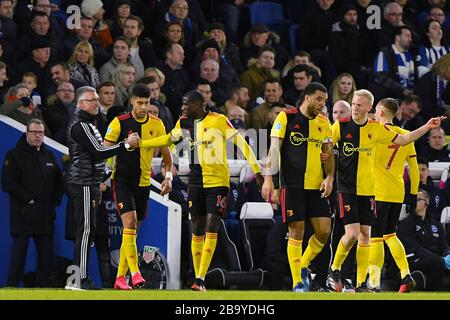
250,73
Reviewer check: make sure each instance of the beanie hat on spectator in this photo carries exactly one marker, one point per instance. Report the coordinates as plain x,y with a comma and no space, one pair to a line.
209,44
90,7
237,123
346,8
259,28
216,26
122,2
39,43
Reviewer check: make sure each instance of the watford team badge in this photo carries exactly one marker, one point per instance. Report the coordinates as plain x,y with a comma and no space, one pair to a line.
120,205
190,204
290,213
347,208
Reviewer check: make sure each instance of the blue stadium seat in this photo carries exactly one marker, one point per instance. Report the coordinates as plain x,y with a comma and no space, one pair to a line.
293,36
266,12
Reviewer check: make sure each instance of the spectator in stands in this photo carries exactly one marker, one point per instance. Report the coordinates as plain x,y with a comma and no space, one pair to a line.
94,9
258,37
38,63
303,57
341,110
124,78
436,150
209,49
59,111
410,11
259,71
229,12
348,46
18,106
361,9
408,116
85,34
273,92
229,52
179,10
142,54
30,80
177,78
314,33
234,102
296,81
32,178
122,9
342,88
432,49
39,29
425,244
204,87
82,64
106,96
56,24
121,52
8,26
60,72
434,91
209,73
160,80
394,67
173,33
3,79
437,13
438,200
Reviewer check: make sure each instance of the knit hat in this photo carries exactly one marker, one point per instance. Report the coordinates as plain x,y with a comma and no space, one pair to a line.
209,44
346,8
216,26
259,28
118,3
90,7
39,43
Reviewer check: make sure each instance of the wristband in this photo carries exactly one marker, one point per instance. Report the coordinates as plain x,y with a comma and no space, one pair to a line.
169,175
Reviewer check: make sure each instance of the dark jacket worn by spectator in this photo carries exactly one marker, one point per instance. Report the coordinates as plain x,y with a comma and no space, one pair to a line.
31,174
176,85
57,117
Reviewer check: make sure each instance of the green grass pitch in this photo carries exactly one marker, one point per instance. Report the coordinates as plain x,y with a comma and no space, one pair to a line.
61,294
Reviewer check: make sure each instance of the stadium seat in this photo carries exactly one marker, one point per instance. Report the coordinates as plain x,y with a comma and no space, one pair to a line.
293,35
266,12
225,271
256,221
445,215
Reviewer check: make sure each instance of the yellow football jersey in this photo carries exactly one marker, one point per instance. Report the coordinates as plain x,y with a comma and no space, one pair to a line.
206,141
389,168
356,145
302,144
134,166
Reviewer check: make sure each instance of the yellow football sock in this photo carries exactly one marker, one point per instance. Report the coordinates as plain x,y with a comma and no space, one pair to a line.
196,249
313,249
376,261
398,253
207,253
130,248
294,252
340,256
362,263
123,264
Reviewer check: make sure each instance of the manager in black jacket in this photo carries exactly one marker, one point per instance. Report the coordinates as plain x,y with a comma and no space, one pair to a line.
425,244
33,180
85,173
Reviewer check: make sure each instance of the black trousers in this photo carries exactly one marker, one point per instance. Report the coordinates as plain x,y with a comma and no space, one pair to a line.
44,248
85,202
433,267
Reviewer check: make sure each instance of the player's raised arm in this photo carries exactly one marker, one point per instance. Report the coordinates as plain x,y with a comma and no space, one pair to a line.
404,139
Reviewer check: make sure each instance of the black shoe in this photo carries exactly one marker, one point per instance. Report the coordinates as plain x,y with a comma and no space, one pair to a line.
334,281
363,288
407,284
347,286
88,284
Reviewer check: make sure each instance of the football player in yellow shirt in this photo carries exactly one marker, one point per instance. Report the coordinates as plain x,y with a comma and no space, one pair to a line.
205,134
389,195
